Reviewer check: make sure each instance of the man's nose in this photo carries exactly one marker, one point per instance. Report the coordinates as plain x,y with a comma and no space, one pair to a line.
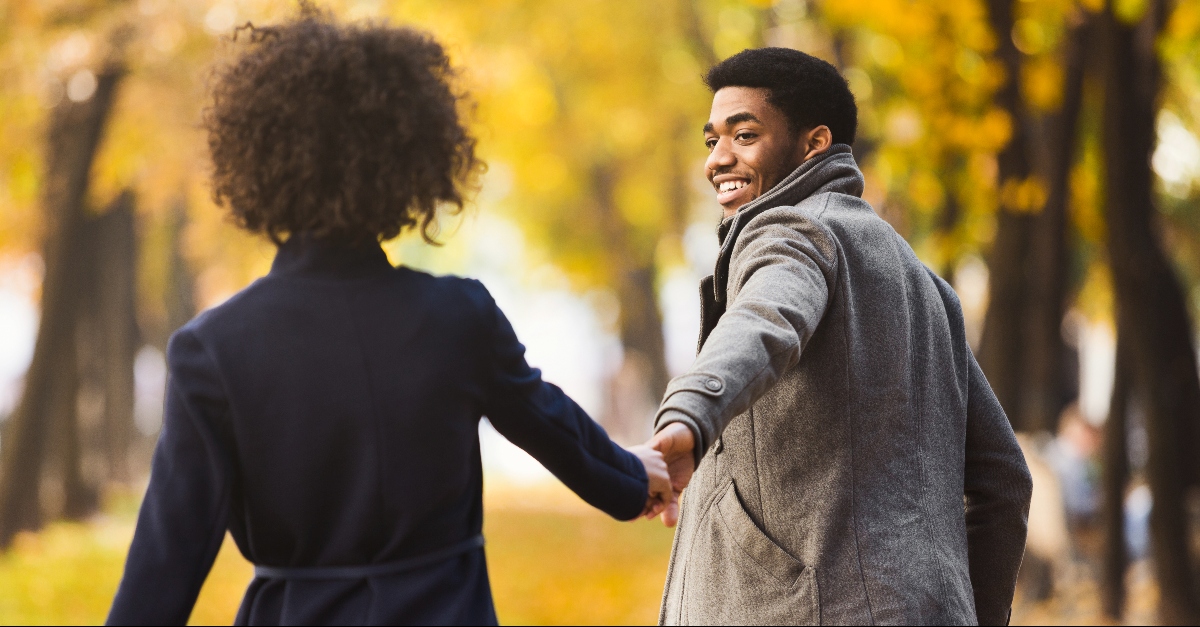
720,157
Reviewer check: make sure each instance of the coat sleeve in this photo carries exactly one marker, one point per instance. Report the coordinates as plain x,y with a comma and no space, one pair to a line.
997,490
781,272
542,420
184,516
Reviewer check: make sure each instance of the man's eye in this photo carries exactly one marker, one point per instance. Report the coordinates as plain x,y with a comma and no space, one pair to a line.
745,136
710,143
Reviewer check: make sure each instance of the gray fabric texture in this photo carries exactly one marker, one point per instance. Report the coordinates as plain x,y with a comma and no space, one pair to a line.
856,467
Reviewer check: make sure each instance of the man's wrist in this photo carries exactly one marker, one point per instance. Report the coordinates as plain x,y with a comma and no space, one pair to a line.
673,416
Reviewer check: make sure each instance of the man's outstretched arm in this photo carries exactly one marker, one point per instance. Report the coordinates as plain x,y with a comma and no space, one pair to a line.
997,489
781,271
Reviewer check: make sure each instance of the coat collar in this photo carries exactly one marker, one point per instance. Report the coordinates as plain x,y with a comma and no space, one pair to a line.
305,255
834,171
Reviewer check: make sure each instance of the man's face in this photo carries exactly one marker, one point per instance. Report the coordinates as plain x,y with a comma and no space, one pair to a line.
750,146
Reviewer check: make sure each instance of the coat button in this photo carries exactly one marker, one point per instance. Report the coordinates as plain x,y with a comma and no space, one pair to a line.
713,385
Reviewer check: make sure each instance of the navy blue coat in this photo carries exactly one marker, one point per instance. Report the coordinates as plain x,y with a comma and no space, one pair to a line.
328,415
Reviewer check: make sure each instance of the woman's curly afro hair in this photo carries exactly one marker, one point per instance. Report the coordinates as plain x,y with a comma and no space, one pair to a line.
338,131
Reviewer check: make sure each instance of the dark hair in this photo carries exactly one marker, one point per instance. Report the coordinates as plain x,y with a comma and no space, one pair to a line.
809,91
340,131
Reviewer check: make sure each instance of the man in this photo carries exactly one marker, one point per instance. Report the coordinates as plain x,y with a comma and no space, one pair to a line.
852,465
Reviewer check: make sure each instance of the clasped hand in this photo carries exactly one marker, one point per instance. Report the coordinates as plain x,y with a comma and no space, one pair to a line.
669,462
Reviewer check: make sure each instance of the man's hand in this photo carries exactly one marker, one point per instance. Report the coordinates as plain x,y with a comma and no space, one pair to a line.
660,483
675,442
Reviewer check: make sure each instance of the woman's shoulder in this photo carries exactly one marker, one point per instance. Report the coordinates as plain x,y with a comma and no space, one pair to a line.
230,309
456,300
459,290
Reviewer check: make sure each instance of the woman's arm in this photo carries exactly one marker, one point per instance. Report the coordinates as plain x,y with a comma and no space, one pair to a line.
184,516
541,419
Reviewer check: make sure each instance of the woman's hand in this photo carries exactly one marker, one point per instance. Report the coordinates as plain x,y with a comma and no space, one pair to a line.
660,493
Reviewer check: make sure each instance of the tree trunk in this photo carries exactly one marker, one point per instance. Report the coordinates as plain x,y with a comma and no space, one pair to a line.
679,179
645,366
948,218
181,284
179,293
694,34
863,147
1044,384
117,332
1152,315
639,385
1115,479
49,397
108,340
1001,351
80,497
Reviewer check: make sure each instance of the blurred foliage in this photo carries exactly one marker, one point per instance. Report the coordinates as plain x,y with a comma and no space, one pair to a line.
569,95
1181,121
924,80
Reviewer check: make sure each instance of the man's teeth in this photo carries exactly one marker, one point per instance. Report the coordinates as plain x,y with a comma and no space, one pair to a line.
729,186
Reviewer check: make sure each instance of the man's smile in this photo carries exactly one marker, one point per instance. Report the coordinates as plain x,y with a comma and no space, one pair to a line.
730,187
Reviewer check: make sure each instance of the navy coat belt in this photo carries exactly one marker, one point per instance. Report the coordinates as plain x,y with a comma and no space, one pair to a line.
369,570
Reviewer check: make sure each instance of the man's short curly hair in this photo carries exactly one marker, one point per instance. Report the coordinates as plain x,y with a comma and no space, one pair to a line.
338,131
809,91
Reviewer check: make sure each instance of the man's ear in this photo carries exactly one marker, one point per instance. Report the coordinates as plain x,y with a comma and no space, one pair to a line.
816,141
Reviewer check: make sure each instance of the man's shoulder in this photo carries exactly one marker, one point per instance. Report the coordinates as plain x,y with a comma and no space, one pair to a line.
835,206
826,219
786,231
850,221
824,209
805,215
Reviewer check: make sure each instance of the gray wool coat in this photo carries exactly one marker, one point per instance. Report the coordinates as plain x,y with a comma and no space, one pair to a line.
856,467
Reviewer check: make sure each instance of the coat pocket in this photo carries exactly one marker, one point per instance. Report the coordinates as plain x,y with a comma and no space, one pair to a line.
736,575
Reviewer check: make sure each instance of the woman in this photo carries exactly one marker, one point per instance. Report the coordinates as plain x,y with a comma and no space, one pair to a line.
327,415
